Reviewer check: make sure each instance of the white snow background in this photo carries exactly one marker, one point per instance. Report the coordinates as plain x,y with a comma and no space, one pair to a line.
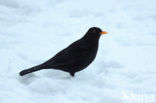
32,31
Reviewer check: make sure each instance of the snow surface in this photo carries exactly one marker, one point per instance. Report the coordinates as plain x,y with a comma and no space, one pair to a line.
32,31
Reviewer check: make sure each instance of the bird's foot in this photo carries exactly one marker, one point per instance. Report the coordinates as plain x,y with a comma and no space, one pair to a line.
72,74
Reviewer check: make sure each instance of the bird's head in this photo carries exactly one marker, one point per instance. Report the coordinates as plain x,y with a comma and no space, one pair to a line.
95,32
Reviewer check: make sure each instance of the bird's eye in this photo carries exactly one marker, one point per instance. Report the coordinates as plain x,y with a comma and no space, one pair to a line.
94,31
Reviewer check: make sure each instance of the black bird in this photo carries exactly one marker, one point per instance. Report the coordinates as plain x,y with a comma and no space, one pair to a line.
75,57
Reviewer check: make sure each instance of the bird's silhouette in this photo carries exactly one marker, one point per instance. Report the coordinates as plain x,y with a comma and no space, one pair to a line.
75,57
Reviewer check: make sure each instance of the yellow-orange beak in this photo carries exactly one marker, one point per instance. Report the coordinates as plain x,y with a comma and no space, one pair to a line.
104,32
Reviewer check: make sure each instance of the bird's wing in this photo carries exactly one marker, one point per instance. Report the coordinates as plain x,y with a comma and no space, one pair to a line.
68,56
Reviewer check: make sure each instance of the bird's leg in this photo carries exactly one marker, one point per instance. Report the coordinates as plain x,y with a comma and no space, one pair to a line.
72,74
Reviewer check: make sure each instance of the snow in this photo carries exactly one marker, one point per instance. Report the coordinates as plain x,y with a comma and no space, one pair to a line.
33,31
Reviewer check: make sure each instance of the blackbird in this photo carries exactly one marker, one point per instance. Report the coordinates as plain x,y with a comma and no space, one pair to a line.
75,57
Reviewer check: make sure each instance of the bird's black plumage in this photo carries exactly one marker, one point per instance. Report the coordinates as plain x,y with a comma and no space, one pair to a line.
75,57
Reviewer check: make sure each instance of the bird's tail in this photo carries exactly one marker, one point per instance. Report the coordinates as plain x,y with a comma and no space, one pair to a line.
30,70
